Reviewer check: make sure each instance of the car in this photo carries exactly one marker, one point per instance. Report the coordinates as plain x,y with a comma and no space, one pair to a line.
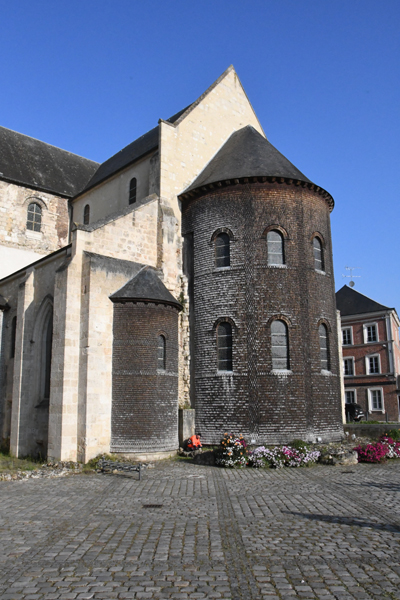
354,412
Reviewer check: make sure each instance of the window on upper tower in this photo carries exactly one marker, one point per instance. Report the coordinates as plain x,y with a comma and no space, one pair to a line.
323,347
86,215
224,347
132,190
161,355
279,346
318,255
222,250
34,217
275,247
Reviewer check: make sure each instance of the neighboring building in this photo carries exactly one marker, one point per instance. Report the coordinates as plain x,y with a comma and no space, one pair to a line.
199,270
36,182
371,354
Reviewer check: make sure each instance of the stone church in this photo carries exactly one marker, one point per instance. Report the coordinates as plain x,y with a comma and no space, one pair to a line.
191,269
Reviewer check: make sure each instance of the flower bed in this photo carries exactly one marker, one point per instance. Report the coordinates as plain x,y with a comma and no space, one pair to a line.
283,456
380,451
232,451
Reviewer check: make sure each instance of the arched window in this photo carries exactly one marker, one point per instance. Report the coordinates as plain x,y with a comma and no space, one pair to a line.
86,215
276,255
34,217
224,346
222,250
161,356
132,190
47,343
318,255
279,345
323,347
13,336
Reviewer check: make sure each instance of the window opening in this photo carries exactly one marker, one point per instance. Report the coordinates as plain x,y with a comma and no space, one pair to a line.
323,345
34,217
371,333
222,250
350,397
161,356
279,345
224,347
376,399
373,364
46,356
346,337
318,255
348,366
86,215
132,190
275,248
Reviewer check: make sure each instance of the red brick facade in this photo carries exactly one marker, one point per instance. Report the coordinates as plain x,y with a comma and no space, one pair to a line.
374,383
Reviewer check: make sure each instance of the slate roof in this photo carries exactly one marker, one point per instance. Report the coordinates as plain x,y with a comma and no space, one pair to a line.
131,153
350,302
33,163
146,286
247,154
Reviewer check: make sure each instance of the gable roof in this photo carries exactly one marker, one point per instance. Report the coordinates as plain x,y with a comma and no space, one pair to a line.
27,161
128,155
146,286
350,302
247,154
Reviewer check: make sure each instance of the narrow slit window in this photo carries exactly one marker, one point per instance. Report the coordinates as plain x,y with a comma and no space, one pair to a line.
161,356
86,215
323,346
275,246
222,250
318,255
34,217
224,346
279,346
132,190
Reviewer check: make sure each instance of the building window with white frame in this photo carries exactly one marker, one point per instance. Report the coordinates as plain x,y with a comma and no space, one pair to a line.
375,399
373,364
350,396
370,333
348,366
347,338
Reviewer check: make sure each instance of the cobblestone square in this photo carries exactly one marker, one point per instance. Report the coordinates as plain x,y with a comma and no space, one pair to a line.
313,533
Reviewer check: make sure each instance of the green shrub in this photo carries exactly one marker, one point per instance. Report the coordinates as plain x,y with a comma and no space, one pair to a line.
299,445
394,434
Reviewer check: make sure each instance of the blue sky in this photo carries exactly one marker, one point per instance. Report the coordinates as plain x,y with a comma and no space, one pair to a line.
323,77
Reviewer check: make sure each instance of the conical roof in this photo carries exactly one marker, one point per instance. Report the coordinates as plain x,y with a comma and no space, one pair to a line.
247,154
351,302
146,286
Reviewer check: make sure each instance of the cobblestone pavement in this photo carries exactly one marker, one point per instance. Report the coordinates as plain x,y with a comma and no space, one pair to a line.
322,533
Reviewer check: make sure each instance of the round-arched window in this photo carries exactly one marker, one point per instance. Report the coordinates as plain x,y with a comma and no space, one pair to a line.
279,345
34,217
275,246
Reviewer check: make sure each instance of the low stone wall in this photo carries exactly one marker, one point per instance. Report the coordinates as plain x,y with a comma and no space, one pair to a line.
373,431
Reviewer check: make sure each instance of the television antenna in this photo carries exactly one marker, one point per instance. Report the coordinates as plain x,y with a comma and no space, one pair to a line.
351,276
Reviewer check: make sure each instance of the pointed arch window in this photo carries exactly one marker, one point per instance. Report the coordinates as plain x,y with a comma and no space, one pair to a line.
324,347
86,215
132,190
318,255
224,346
222,250
279,345
275,246
34,217
161,356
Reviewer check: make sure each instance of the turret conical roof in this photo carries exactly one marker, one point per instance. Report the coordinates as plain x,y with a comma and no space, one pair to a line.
146,286
247,154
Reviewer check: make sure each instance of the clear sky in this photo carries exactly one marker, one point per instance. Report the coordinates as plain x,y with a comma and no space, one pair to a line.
323,76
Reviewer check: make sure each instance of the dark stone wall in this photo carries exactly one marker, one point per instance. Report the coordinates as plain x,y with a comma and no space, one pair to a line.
145,399
264,405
